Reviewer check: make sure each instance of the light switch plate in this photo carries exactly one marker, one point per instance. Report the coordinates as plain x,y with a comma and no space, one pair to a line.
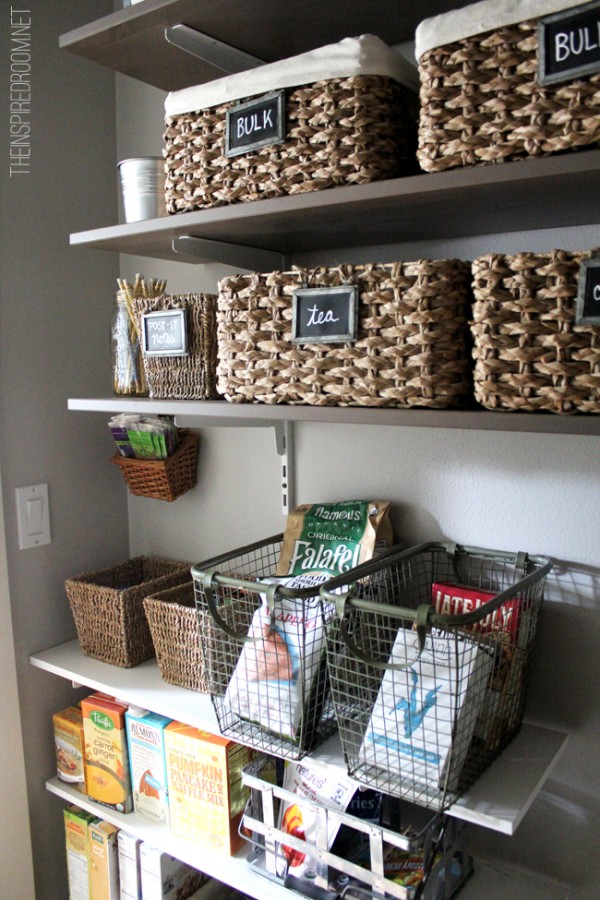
33,516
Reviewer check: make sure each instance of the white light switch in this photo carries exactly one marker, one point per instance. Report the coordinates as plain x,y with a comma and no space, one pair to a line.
33,516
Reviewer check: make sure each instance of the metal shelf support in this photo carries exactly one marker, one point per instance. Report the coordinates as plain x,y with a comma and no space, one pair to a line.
222,56
204,250
284,440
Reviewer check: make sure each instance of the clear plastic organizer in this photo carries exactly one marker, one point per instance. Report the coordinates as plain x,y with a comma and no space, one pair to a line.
268,692
413,853
428,655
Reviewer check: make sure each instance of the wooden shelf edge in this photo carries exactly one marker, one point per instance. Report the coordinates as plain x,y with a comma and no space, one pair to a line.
220,412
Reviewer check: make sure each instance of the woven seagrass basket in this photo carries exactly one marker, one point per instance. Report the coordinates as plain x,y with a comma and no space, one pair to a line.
339,131
481,102
162,479
412,347
529,353
177,634
189,377
108,610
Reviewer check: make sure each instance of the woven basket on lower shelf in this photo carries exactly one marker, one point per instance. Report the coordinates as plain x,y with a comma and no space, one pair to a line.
193,375
529,353
481,98
412,346
162,479
108,609
177,632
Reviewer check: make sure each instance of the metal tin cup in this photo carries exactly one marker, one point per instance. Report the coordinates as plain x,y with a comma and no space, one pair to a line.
142,187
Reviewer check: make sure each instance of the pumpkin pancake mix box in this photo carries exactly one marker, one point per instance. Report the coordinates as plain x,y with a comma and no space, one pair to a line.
106,761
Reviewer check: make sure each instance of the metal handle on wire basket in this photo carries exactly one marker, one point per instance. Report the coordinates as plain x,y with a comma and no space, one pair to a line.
208,582
421,624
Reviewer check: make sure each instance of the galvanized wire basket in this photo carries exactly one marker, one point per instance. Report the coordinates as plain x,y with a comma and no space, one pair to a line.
266,665
426,699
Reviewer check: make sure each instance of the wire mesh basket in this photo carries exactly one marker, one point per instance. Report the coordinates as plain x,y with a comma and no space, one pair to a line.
407,852
428,658
266,666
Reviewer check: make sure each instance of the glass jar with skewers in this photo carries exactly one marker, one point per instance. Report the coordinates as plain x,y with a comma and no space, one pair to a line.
126,348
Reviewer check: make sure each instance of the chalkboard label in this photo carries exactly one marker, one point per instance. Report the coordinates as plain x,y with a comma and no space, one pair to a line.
569,44
324,315
164,333
257,123
587,311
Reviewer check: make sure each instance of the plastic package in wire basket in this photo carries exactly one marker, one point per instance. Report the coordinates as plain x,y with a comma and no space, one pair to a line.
426,700
266,667
107,607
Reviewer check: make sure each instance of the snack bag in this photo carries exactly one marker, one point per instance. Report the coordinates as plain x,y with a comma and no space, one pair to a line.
279,671
334,537
321,785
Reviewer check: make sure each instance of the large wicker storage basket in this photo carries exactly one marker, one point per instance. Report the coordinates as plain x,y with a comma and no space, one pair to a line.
108,609
348,120
177,634
189,377
412,346
481,100
529,353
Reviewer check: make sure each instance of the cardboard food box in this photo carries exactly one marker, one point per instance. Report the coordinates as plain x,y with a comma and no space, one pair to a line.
105,756
206,794
147,763
130,877
76,839
166,878
103,861
68,742
425,713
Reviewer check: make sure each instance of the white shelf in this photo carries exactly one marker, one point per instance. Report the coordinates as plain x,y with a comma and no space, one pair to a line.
498,800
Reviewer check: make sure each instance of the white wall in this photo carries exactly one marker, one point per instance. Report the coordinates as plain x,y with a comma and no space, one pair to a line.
55,308
508,491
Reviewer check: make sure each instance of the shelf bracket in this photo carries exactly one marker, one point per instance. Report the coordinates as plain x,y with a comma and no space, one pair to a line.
284,440
222,56
204,250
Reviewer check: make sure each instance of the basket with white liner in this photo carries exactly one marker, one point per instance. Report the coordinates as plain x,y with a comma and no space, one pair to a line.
493,90
341,114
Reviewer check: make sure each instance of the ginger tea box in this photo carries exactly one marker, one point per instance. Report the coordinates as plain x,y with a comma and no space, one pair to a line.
106,761
204,779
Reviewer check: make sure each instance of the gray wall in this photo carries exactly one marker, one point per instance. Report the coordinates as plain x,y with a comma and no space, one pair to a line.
54,317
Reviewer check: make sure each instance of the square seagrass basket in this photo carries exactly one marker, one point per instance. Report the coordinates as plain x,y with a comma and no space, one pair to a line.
481,98
193,375
108,607
412,346
162,479
350,117
529,352
178,632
